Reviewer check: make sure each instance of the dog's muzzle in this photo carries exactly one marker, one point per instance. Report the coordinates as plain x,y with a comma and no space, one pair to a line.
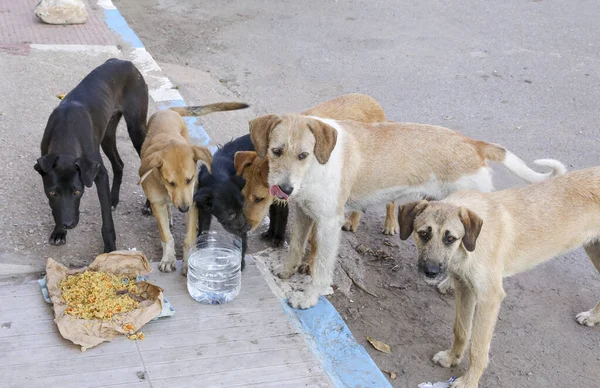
431,270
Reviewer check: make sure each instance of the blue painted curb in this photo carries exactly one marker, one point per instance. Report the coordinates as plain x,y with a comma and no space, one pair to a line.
116,22
345,361
195,128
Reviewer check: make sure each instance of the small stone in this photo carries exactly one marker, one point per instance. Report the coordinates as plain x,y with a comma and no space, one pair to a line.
62,11
31,231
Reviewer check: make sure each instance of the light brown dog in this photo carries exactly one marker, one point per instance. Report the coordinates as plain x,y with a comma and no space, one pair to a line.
168,173
325,166
480,238
255,170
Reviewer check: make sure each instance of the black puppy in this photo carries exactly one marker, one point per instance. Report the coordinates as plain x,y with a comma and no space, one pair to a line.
86,119
220,193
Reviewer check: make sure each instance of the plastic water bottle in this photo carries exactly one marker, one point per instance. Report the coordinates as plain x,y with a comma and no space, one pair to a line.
214,268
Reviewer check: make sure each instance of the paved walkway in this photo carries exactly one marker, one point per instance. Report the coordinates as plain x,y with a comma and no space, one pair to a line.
19,25
249,342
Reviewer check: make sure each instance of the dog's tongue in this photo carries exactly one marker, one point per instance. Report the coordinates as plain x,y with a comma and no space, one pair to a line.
276,191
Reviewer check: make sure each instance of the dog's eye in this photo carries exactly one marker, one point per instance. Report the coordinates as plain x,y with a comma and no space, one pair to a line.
258,200
52,193
172,184
188,181
77,192
276,151
303,155
450,240
424,235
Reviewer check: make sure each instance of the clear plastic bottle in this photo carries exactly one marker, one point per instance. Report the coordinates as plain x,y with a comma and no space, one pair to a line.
214,273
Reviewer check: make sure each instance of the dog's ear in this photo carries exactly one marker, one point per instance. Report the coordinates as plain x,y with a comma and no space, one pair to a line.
243,159
238,181
326,138
264,171
88,169
406,217
472,224
148,164
45,164
260,130
204,199
203,154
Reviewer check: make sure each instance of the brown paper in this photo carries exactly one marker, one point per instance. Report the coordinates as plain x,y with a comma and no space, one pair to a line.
89,333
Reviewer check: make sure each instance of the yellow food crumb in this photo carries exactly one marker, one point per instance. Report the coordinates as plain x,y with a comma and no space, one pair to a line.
98,295
136,336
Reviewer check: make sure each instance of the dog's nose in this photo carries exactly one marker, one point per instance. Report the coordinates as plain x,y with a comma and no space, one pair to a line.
287,189
431,270
69,225
183,209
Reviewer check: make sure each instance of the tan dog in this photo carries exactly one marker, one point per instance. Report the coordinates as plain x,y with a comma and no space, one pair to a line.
480,238
168,173
255,170
325,166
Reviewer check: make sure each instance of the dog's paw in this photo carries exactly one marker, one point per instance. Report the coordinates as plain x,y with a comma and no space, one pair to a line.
168,265
147,209
114,201
303,299
446,359
349,227
304,269
445,286
268,235
278,241
461,382
588,318
283,272
58,237
184,269
390,228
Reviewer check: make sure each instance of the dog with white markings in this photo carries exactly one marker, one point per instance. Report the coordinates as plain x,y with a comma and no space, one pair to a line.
326,166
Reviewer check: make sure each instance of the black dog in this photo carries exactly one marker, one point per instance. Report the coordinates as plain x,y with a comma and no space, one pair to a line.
220,193
86,119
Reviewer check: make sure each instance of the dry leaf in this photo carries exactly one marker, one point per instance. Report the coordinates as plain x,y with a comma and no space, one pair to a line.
381,346
392,374
61,96
362,249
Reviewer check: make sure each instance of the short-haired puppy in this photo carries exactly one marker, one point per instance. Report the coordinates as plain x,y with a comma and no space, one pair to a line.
480,238
168,173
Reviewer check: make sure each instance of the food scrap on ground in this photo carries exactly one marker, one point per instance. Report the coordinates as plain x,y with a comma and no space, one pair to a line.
136,336
99,295
98,292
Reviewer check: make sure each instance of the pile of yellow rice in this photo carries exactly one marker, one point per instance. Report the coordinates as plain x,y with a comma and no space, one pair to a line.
98,295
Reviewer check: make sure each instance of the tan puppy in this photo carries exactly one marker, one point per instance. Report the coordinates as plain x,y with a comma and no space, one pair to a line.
168,173
480,238
254,169
325,166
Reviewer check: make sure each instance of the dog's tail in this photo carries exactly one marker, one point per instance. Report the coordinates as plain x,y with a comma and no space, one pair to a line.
519,167
202,110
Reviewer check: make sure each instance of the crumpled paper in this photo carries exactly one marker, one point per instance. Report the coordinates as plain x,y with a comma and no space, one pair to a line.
89,333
